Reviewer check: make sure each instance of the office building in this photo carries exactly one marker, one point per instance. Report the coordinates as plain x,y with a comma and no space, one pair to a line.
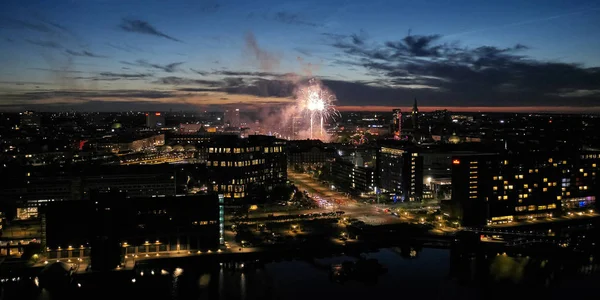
238,167
353,178
155,120
400,173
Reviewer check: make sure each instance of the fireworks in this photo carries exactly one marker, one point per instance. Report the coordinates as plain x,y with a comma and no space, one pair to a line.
317,102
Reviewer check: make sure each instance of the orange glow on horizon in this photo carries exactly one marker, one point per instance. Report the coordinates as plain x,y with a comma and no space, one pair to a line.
490,109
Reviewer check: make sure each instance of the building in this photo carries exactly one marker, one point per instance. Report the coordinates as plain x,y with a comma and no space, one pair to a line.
492,189
353,178
111,227
121,144
30,188
190,128
415,116
155,120
134,181
239,167
30,119
396,129
232,118
400,173
303,153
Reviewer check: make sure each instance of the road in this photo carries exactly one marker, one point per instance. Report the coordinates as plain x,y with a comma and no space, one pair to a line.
336,201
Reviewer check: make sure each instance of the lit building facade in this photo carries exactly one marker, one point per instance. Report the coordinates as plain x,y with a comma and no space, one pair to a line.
400,173
353,178
492,189
396,129
155,120
239,166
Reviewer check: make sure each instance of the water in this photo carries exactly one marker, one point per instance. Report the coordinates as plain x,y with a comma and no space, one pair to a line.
416,273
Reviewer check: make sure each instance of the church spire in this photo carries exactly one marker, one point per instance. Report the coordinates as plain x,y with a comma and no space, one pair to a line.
415,109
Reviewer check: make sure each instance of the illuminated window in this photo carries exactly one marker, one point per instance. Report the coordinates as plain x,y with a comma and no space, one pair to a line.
510,187
558,197
495,188
593,165
550,160
526,185
530,171
545,189
495,177
568,193
520,208
551,206
520,176
500,177
525,195
581,170
542,207
545,179
505,197
531,207
584,174
506,162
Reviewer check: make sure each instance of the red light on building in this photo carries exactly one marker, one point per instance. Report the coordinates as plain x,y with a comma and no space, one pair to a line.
146,114
158,114
456,162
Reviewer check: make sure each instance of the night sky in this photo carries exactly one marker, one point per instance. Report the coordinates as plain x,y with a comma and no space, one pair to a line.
113,55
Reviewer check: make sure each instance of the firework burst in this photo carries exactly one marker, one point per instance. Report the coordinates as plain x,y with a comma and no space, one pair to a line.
317,102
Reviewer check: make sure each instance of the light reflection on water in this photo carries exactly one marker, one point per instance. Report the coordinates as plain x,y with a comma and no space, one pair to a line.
436,271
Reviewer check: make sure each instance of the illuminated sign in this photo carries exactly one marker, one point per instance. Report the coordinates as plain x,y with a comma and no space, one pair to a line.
456,162
158,114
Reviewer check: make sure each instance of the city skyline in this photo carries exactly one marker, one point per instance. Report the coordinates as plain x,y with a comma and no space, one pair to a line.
181,55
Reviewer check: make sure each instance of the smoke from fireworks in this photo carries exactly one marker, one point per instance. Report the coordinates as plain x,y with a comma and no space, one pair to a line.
316,101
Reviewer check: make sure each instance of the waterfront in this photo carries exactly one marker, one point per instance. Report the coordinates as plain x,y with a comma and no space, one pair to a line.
424,273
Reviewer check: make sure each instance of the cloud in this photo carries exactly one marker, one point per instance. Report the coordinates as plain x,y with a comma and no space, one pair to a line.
143,27
186,81
125,75
267,61
203,73
293,19
112,76
21,24
55,70
45,44
303,51
246,73
446,71
169,68
84,53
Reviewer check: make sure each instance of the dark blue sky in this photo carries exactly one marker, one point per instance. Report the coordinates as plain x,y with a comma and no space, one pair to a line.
114,55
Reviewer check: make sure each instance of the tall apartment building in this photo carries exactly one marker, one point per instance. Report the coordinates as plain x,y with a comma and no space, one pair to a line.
494,189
